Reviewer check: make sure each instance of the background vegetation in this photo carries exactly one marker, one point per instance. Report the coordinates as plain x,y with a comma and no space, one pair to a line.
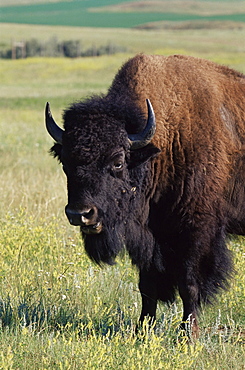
55,48
57,309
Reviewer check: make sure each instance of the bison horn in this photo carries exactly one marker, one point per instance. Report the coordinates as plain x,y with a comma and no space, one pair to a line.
144,137
53,129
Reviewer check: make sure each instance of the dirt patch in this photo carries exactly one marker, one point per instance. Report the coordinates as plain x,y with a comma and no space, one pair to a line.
195,25
203,8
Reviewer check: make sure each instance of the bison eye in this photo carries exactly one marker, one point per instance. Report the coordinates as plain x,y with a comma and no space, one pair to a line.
117,169
117,163
118,166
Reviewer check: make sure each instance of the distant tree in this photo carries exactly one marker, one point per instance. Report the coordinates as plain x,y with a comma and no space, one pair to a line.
52,48
33,48
72,48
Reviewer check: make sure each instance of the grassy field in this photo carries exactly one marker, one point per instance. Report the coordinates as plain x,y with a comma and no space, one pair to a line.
57,309
221,45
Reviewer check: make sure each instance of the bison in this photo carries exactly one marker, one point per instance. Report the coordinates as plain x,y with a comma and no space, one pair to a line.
157,166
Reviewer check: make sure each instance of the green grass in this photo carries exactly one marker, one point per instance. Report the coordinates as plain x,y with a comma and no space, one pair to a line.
88,14
57,309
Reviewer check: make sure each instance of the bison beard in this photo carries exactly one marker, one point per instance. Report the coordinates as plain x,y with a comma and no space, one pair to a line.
138,240
103,247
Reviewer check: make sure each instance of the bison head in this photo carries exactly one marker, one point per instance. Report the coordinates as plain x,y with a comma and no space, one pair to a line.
107,171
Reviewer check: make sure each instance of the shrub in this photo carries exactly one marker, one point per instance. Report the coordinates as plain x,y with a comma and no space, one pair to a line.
55,48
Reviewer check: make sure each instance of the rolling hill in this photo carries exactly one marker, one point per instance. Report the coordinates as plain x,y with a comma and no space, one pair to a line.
122,14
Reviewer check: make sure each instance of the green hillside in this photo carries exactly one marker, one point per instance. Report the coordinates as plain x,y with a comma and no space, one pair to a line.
125,14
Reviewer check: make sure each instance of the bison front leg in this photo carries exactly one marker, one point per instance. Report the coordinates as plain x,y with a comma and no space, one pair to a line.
148,290
190,297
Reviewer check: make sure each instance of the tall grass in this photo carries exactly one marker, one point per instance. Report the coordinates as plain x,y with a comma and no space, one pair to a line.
57,309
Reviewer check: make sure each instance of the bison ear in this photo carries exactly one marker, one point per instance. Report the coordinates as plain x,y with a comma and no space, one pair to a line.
55,151
142,155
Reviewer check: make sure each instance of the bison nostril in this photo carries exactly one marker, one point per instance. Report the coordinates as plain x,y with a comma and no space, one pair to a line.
87,215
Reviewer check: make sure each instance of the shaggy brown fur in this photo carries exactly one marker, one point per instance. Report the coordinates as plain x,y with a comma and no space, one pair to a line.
187,199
